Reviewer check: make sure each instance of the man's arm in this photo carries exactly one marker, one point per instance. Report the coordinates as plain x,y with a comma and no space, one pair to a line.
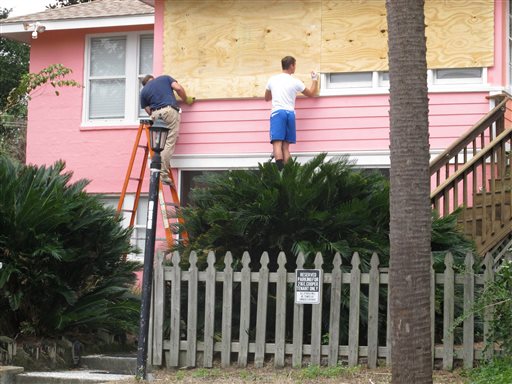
179,90
312,90
182,94
148,110
268,95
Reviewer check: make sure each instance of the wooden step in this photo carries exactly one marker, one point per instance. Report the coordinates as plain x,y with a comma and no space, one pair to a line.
503,182
477,212
488,197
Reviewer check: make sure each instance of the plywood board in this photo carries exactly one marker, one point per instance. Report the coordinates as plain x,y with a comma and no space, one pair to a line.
228,48
354,36
460,34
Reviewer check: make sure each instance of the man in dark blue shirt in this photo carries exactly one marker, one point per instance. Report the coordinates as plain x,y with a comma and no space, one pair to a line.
158,100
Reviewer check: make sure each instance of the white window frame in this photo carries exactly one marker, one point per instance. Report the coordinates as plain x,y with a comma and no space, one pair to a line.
381,86
458,80
138,237
131,105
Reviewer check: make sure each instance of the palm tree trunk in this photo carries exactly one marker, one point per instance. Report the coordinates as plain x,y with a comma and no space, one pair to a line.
410,210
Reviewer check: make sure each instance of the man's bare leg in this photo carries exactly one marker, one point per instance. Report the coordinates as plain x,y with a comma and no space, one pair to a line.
277,146
286,151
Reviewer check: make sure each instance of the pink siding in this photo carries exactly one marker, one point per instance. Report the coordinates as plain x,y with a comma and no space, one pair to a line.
158,37
341,123
54,122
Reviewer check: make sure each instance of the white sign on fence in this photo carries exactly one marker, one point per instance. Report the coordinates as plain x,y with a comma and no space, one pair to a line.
307,286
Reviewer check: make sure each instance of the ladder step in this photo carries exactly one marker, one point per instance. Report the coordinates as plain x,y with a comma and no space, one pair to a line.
168,222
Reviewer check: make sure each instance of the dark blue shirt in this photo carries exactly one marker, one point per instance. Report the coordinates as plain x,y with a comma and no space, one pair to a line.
158,93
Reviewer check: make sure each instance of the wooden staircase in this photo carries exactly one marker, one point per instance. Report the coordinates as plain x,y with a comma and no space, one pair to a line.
473,174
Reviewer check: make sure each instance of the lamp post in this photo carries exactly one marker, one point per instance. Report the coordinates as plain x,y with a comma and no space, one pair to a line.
158,135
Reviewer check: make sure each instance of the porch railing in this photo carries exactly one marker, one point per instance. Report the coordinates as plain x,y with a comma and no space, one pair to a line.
473,173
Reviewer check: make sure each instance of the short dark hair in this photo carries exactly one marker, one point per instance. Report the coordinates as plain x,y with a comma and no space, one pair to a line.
146,79
287,61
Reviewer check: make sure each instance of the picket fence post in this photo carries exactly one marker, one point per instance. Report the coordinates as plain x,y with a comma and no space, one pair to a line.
261,315
448,309
245,310
192,310
298,324
334,318
227,310
209,311
175,324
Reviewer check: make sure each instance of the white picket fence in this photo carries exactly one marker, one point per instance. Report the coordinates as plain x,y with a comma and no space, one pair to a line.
195,342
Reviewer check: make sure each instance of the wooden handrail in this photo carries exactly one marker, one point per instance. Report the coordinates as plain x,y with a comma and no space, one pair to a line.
476,178
507,134
453,150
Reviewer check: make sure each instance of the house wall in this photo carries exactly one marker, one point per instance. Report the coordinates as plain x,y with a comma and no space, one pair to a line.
236,127
55,122
335,124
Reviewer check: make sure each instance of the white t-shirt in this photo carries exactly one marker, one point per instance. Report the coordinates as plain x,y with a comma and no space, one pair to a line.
284,88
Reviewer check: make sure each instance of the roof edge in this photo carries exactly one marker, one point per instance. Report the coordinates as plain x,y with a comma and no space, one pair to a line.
17,31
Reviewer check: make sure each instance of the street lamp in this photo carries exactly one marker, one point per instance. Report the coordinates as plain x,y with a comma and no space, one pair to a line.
158,136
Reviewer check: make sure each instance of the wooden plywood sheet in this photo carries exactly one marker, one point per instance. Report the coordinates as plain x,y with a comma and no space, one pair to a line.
229,48
459,33
354,36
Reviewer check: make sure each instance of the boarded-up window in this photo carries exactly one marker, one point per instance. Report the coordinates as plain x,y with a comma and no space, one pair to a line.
230,48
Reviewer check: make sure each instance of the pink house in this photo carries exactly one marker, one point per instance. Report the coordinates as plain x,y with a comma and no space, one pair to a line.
222,53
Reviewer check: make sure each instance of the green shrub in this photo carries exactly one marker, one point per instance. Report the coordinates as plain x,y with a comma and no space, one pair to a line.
61,249
497,371
321,206
497,297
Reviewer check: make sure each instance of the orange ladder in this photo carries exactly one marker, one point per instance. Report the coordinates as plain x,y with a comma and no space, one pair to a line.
139,179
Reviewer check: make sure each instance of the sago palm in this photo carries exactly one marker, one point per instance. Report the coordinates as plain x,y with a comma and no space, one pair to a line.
61,251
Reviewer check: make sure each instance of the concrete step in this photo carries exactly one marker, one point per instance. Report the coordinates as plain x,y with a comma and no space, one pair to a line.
119,364
69,377
92,369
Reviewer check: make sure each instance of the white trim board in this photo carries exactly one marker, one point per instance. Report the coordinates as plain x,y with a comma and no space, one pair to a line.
363,159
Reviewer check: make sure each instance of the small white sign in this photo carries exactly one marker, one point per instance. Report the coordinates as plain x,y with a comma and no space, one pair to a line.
307,286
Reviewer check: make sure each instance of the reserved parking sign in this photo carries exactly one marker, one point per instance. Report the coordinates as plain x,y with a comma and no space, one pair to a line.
307,286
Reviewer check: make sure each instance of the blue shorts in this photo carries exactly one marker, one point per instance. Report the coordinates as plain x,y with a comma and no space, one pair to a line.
282,126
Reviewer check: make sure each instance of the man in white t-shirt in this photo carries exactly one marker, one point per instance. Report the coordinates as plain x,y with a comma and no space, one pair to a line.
282,89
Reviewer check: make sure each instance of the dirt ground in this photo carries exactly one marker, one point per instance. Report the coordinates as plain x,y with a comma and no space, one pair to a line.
323,375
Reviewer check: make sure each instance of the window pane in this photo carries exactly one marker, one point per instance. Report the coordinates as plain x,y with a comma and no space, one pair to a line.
142,112
139,230
106,99
350,79
189,181
108,56
384,78
146,55
459,73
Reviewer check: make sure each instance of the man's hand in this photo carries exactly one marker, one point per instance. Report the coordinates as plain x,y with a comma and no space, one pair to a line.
190,100
314,75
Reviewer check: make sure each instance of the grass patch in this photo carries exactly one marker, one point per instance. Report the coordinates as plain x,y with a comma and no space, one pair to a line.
497,371
205,372
316,372
180,375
